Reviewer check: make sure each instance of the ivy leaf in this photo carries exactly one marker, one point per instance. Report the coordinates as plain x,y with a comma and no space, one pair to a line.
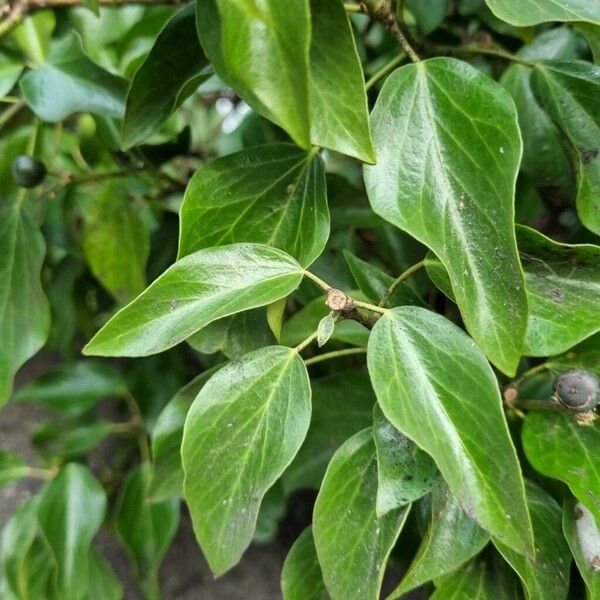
116,242
435,386
196,290
352,543
563,289
146,529
448,149
244,428
338,102
568,90
70,512
582,534
273,194
168,75
342,405
546,578
557,446
451,539
301,577
24,310
167,472
532,12
90,87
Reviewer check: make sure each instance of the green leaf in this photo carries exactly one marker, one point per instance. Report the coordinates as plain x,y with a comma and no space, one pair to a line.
69,82
546,578
352,543
592,35
545,156
583,537
568,92
558,446
70,512
24,310
196,290
273,194
342,405
476,581
243,430
116,242
167,472
275,313
146,529
532,12
563,289
338,102
404,472
174,62
435,386
102,579
73,388
325,329
448,149
12,468
428,13
262,52
34,33
301,577
10,70
272,510
451,539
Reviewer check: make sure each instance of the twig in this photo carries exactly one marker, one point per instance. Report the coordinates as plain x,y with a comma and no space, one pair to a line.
462,50
390,66
394,285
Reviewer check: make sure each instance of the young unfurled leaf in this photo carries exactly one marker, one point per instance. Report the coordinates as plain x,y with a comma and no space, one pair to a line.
244,428
583,536
352,543
301,577
451,539
24,310
546,577
325,329
558,446
569,91
273,194
70,512
170,73
196,290
563,289
404,472
435,386
90,87
532,12
448,151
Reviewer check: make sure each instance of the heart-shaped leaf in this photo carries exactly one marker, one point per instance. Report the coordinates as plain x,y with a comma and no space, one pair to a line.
448,151
244,428
435,386
196,290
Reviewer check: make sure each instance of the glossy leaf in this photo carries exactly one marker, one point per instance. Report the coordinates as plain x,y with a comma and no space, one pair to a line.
244,428
342,405
167,472
583,537
12,467
273,194
90,87
404,472
70,512
429,14
196,290
338,102
435,386
352,543
532,12
116,242
563,289
448,150
568,92
165,78
24,311
301,577
451,539
146,529
546,578
558,446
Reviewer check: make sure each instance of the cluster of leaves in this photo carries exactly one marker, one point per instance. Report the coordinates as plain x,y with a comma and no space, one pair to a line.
447,209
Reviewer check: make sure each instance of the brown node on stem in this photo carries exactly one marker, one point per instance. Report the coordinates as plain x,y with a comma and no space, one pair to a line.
510,395
337,300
